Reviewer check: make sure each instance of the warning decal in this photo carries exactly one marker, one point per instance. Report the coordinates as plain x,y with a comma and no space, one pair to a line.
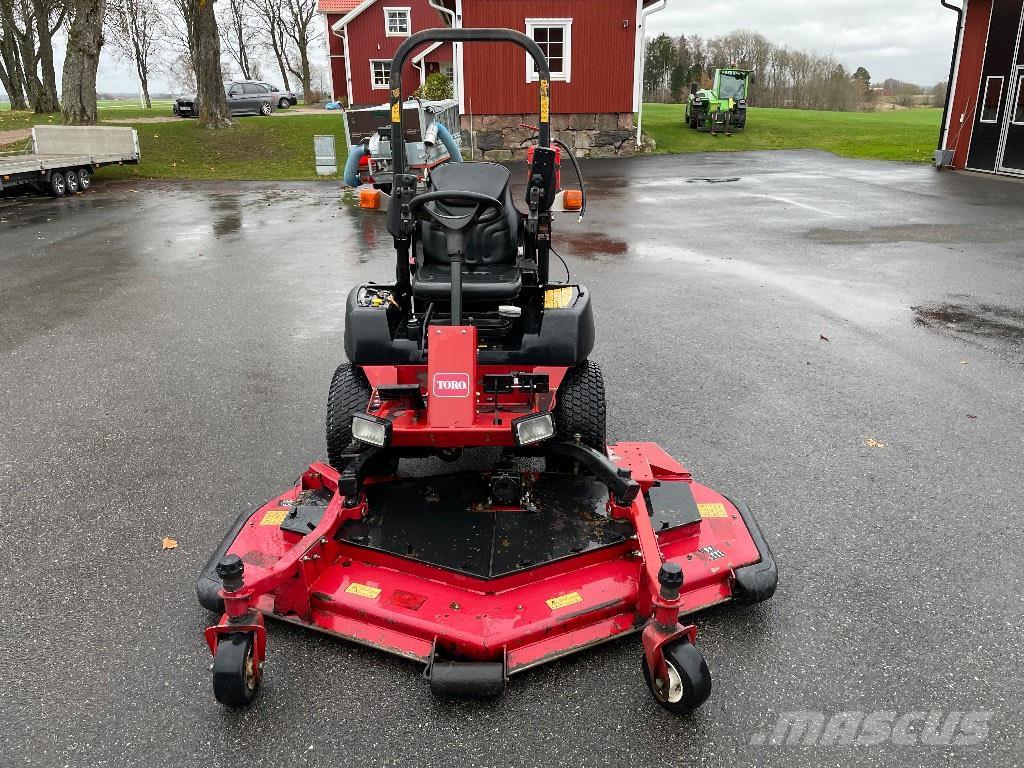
712,510
274,516
563,600
363,590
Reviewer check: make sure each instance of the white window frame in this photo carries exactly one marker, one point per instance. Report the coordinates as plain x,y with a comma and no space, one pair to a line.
408,20
1017,100
373,74
984,100
566,24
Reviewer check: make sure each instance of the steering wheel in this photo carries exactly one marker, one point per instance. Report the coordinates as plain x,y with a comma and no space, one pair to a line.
485,209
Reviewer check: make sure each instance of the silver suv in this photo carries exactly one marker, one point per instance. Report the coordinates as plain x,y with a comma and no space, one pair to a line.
244,98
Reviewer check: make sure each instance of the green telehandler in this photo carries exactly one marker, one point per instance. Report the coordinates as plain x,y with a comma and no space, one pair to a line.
723,107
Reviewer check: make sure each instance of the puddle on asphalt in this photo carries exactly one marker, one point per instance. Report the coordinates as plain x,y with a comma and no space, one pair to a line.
588,245
229,216
936,234
973,322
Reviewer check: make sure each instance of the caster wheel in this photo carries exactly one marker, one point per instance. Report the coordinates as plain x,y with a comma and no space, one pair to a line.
689,680
236,676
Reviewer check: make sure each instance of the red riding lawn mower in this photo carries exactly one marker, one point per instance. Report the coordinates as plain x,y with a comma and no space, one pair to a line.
564,543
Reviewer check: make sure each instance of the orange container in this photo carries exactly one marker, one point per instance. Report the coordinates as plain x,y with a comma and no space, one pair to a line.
573,199
369,198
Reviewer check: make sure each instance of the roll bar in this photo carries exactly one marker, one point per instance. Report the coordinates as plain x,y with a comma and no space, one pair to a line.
464,36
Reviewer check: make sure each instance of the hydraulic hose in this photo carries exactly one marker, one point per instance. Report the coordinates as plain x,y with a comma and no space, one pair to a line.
449,142
355,154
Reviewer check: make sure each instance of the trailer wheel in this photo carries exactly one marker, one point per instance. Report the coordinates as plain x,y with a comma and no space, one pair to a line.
58,184
71,179
84,179
350,392
580,408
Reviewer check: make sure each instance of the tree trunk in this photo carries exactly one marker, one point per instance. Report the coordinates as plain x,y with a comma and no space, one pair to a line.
85,39
48,100
10,63
307,93
142,69
278,44
213,105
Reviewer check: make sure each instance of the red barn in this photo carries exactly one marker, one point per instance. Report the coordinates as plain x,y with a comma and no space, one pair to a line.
594,49
363,36
984,125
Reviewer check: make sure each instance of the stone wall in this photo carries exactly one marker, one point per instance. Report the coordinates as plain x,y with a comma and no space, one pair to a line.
498,137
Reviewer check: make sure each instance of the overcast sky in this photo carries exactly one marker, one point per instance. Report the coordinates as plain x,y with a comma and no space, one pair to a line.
906,39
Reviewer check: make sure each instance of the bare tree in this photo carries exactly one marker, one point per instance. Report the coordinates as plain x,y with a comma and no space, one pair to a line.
11,75
300,27
240,37
28,27
271,22
85,39
213,105
134,27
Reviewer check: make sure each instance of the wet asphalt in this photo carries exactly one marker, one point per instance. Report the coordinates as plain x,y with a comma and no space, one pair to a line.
839,343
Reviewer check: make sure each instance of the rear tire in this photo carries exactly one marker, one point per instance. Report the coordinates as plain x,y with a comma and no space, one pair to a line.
284,103
84,179
580,408
71,179
266,108
349,393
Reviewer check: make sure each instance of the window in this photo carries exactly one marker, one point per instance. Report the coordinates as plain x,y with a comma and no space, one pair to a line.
993,98
380,73
554,36
1018,111
397,22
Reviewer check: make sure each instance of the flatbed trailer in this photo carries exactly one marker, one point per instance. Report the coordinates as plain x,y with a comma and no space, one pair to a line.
63,158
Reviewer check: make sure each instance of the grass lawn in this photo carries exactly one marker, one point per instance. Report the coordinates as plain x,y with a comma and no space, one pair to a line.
906,135
281,147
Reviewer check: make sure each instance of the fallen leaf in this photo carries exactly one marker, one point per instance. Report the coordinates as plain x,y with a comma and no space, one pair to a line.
168,543
971,416
156,135
872,443
824,338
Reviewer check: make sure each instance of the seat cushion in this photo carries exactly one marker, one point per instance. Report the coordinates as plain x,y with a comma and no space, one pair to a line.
482,281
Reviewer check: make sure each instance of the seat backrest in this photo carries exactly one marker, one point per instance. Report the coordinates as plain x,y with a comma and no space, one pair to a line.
494,242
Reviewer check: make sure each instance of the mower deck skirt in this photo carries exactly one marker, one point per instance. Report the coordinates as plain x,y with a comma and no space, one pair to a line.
426,568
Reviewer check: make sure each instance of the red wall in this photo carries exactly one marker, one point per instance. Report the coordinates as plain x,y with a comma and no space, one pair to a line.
367,40
968,82
602,57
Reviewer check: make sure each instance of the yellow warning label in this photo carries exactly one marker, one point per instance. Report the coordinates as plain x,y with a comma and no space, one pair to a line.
274,516
545,108
563,600
363,590
712,510
557,298
396,113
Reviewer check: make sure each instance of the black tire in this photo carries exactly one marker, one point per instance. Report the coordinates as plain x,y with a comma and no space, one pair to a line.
236,676
266,108
694,679
84,179
580,408
349,393
284,103
71,180
58,184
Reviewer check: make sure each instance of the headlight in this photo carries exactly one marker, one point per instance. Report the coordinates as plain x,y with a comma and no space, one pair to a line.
533,429
370,429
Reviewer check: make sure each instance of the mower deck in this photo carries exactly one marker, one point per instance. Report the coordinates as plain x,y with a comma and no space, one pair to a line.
427,569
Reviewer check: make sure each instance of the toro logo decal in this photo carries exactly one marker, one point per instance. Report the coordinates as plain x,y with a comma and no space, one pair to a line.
450,385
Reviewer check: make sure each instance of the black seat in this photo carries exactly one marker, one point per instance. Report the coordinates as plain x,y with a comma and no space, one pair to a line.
490,264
